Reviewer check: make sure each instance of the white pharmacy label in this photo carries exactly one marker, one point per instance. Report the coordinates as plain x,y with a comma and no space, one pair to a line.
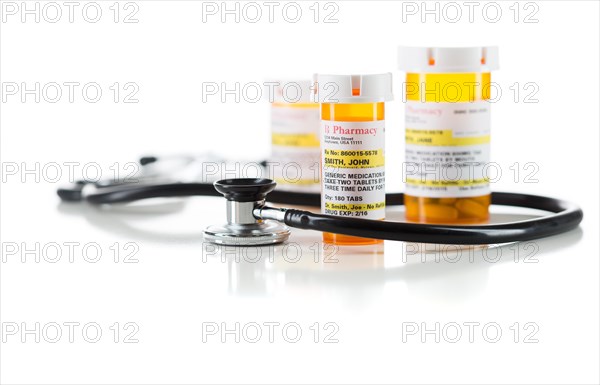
353,161
447,149
295,153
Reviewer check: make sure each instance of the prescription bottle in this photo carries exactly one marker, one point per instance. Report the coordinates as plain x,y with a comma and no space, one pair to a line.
447,150
353,148
294,162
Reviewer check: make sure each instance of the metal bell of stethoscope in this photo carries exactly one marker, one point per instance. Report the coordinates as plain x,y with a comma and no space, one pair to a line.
247,214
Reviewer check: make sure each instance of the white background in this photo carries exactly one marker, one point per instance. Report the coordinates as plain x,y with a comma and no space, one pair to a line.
370,293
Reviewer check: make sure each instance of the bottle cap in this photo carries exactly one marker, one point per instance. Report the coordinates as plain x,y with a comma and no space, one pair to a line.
354,88
447,59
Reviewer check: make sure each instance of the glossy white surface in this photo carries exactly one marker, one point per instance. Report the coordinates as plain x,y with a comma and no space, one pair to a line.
370,298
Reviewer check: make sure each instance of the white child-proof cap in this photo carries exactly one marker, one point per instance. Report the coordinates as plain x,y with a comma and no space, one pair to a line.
447,59
373,88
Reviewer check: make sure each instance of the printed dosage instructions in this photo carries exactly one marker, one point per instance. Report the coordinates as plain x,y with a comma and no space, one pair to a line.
353,159
447,149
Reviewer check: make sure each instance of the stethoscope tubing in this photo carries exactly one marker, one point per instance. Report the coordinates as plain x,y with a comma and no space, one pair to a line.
564,215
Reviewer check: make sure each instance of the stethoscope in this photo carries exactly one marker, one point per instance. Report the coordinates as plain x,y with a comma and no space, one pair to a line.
252,222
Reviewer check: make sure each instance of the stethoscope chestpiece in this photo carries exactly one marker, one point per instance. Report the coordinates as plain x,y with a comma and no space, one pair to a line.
242,227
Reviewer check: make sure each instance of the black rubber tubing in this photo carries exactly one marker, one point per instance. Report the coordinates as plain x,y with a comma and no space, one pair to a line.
565,216
169,190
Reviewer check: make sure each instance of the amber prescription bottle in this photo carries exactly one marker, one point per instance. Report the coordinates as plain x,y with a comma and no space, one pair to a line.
353,148
295,124
447,150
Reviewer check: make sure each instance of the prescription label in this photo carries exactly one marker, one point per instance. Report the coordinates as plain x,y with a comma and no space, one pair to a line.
294,162
447,149
353,169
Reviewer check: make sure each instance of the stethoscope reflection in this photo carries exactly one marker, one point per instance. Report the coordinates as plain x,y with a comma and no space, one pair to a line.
129,221
307,265
445,273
